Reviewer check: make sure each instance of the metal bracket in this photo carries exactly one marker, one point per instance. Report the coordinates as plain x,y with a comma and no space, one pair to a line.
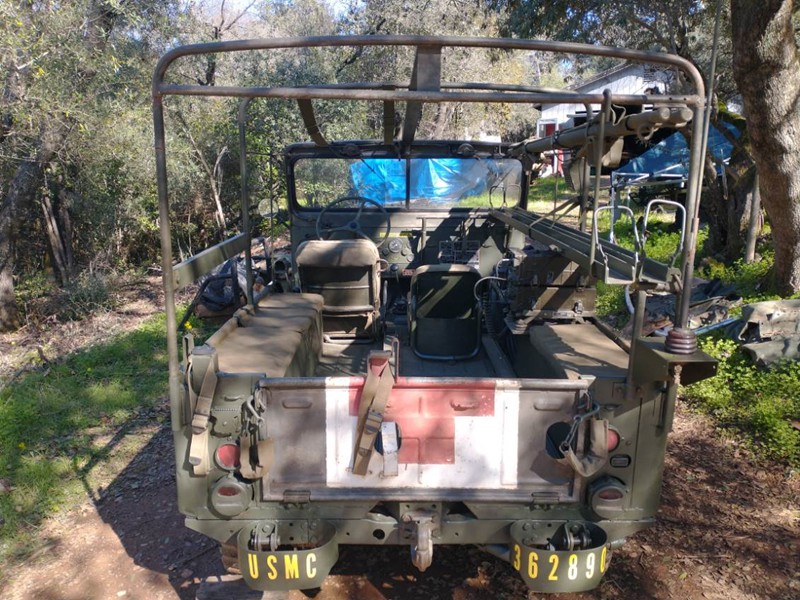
420,525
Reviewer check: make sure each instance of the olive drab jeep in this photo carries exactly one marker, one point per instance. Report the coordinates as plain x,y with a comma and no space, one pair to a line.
429,368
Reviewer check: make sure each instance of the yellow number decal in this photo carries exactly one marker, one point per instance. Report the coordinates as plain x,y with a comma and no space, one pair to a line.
603,559
590,560
554,562
533,565
517,556
572,572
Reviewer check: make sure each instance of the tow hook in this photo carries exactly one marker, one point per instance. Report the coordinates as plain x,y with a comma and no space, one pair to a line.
419,526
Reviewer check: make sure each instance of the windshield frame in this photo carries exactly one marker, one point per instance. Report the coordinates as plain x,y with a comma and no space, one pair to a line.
368,149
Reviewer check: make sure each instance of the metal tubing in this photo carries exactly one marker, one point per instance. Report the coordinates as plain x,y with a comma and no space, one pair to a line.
599,143
692,211
327,93
161,89
446,41
585,173
698,155
166,263
577,136
248,266
638,327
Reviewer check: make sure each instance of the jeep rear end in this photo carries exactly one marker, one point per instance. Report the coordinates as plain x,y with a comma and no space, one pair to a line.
432,372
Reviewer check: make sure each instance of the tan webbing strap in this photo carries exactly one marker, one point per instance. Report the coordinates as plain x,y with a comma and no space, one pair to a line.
191,399
198,446
310,121
255,465
374,396
202,410
597,455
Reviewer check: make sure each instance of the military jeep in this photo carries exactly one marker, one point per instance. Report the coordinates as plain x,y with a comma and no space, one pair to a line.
431,371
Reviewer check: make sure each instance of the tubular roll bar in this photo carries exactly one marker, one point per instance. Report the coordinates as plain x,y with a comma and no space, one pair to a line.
388,92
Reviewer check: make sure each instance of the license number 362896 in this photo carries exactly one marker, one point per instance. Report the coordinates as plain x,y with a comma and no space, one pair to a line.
553,567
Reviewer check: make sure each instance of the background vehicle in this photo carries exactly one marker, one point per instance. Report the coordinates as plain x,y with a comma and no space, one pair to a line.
439,377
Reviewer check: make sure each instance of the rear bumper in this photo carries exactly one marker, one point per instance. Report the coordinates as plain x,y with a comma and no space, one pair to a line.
305,550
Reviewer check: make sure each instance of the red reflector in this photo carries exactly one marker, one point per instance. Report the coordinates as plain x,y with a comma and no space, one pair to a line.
228,490
613,439
610,494
227,456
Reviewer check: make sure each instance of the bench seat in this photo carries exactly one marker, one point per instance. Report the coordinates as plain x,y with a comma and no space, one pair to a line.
283,338
576,351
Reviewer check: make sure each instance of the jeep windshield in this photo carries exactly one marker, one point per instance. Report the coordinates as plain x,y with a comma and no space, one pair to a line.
415,183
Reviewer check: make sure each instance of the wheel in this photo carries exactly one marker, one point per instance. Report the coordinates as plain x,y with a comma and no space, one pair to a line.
229,553
353,226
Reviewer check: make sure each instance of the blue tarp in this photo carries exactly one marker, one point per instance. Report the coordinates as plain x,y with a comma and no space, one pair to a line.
439,180
670,157
380,179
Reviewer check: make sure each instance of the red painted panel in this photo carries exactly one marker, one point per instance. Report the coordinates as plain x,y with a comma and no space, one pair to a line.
426,415
424,428
437,451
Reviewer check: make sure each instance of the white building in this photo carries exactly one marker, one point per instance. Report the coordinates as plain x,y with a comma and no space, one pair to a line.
627,78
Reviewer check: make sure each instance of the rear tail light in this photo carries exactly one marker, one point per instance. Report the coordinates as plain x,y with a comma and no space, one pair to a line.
610,493
228,491
227,457
608,497
613,439
230,497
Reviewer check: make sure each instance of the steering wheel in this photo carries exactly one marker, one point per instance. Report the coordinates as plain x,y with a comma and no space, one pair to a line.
353,226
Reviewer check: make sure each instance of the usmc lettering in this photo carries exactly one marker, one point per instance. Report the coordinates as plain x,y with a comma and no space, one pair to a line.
293,566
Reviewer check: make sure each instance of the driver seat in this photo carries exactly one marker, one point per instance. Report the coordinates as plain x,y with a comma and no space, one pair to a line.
346,273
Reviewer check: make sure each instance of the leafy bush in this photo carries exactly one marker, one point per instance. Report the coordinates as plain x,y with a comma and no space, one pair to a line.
751,399
86,294
752,279
611,303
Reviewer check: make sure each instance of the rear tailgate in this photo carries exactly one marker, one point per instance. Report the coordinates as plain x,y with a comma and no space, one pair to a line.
460,439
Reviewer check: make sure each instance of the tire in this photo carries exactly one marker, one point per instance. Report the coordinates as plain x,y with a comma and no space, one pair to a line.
229,553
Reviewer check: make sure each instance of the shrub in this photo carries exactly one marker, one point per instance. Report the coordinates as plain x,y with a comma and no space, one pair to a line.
752,400
85,295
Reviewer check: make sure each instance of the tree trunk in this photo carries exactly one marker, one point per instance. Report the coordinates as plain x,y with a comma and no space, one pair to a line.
57,238
755,225
21,191
9,315
767,72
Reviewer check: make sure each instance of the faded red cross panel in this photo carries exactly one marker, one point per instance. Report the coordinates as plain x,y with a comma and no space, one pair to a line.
426,417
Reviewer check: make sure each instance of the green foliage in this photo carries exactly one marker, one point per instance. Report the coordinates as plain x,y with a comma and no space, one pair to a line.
55,423
543,191
753,280
754,401
87,294
611,303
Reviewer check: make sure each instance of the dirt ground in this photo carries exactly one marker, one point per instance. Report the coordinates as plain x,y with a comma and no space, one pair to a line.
729,528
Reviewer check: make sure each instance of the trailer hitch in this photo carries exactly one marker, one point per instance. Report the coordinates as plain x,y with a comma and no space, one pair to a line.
419,526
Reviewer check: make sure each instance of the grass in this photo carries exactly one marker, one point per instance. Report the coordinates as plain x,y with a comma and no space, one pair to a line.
54,424
754,404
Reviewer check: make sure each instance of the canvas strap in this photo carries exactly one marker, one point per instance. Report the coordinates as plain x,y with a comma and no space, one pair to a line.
593,460
198,445
374,396
255,461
